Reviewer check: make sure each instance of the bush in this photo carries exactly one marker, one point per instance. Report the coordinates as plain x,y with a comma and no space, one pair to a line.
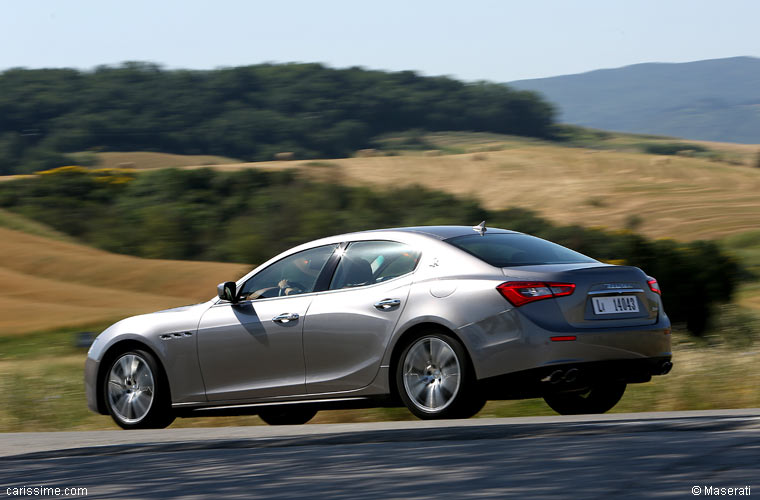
672,148
250,215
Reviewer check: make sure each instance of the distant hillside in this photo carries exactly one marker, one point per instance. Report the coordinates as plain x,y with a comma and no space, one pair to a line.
53,284
716,99
250,112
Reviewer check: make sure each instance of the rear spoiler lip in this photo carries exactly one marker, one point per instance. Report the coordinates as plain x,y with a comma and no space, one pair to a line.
556,271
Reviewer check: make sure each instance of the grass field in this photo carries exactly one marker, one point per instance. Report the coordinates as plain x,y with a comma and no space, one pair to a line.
41,389
51,283
55,287
676,197
149,160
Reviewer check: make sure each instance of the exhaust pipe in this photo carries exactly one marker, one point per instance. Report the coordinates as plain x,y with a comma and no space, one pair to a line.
558,376
571,375
555,377
666,367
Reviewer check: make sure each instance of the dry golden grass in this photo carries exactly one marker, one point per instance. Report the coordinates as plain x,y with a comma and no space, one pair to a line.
148,160
50,284
675,197
743,152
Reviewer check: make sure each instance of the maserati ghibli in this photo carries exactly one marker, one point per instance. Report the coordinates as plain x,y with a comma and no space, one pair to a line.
439,319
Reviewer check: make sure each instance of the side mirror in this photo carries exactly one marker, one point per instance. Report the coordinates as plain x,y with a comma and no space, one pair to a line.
227,291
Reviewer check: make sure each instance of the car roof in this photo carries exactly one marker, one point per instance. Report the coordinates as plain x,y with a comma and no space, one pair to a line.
439,232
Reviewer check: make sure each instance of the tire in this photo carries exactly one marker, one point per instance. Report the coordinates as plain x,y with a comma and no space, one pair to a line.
435,379
597,399
135,392
285,415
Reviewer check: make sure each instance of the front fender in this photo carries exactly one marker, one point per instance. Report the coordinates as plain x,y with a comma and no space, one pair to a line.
170,335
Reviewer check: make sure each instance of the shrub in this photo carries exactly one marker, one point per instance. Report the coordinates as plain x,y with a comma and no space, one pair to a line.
672,148
250,215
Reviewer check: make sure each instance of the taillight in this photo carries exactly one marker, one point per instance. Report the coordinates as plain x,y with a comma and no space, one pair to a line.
523,292
653,285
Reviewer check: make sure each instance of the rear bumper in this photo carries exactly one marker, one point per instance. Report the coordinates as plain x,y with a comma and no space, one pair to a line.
573,376
509,343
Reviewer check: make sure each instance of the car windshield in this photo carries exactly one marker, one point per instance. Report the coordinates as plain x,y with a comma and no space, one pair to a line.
510,249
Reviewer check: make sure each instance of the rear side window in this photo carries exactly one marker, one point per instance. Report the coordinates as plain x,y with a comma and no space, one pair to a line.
509,250
370,262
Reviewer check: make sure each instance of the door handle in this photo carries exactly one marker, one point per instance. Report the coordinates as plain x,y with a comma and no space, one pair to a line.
386,304
285,317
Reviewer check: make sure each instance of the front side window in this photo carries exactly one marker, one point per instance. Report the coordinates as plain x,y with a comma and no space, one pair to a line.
370,262
293,275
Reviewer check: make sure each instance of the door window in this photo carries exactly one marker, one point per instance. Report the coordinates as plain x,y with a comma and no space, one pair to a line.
293,275
370,262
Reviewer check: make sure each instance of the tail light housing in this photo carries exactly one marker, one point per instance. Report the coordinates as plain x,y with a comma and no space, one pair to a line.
519,293
653,285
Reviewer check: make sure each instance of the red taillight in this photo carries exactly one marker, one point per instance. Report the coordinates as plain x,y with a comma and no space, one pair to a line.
653,285
523,292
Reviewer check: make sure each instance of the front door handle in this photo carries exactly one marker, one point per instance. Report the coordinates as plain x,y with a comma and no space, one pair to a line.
386,304
285,317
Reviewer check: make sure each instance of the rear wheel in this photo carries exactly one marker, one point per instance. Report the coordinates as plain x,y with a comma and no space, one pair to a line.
597,399
435,379
287,415
134,392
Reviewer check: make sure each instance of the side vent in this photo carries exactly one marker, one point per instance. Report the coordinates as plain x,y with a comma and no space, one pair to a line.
177,335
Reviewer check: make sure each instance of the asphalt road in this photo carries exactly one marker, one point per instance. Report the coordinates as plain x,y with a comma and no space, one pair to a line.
621,455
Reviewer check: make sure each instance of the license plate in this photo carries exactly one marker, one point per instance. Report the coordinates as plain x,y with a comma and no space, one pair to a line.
615,305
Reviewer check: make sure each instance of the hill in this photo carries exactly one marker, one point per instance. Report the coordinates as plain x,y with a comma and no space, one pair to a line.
717,100
50,283
147,160
251,112
679,197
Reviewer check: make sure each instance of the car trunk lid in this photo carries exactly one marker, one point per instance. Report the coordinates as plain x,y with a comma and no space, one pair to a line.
604,296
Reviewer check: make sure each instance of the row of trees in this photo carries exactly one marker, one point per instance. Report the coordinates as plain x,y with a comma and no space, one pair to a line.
250,113
250,215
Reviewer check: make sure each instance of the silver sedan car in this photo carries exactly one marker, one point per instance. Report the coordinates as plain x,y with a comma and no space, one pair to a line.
439,319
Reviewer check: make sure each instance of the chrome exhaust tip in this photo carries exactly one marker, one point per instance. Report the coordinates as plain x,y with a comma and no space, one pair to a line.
571,375
556,377
666,367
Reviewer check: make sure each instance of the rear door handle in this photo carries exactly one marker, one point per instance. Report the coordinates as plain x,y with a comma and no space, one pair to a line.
386,304
285,317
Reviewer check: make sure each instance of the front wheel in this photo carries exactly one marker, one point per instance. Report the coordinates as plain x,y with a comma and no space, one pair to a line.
597,399
435,379
135,394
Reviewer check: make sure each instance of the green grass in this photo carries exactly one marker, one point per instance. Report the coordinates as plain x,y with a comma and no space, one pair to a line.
41,387
746,247
55,343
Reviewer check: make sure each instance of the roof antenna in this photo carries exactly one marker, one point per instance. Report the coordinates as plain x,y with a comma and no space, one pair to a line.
480,228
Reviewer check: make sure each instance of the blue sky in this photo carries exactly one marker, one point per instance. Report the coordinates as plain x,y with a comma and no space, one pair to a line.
471,40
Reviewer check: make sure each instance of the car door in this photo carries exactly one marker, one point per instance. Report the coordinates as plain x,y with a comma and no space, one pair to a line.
254,348
348,326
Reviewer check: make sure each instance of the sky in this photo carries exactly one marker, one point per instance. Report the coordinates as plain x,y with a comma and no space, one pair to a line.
467,39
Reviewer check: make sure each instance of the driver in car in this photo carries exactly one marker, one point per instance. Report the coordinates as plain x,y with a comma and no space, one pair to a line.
296,279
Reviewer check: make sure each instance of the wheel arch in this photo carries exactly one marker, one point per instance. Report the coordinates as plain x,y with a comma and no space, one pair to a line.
111,353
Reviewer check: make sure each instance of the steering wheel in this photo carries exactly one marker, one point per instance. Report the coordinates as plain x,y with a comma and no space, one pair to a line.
290,284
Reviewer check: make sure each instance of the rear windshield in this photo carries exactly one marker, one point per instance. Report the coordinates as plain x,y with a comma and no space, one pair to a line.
508,250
